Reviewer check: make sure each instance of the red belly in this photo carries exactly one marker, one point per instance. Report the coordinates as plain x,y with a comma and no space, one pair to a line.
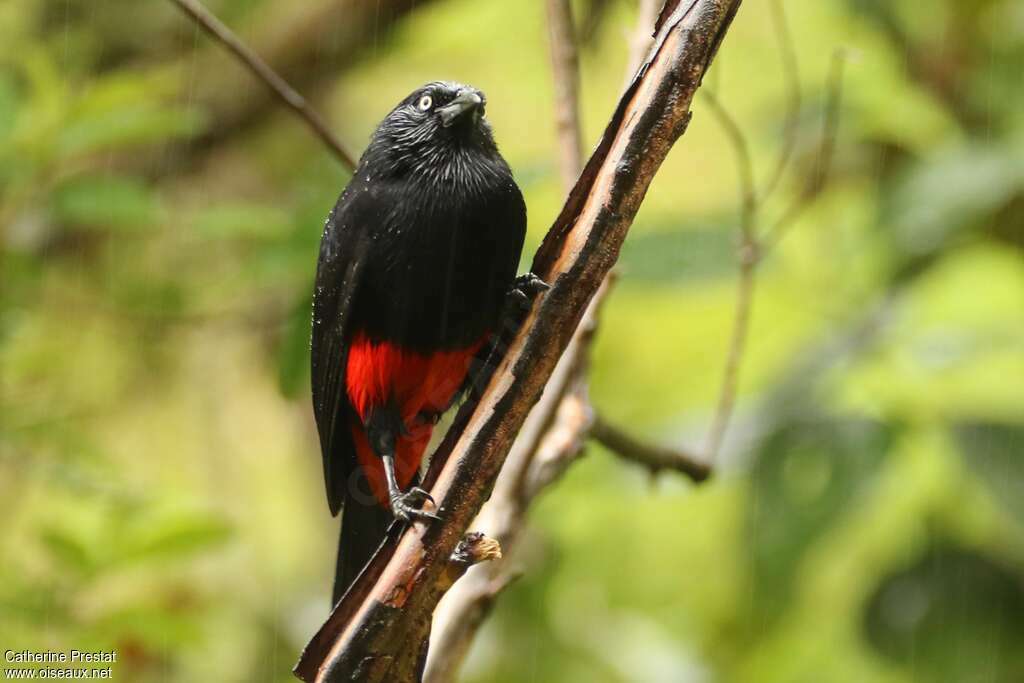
420,385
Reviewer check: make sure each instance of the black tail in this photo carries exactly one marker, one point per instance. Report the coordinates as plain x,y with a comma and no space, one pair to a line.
363,526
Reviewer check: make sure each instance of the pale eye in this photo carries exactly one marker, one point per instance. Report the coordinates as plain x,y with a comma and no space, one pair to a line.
425,103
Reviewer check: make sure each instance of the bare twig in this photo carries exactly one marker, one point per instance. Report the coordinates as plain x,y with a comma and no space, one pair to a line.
816,180
653,458
277,85
744,166
368,634
752,246
791,74
734,358
565,68
749,257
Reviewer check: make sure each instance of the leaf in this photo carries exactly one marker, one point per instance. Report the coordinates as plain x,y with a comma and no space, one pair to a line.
959,190
806,474
146,294
293,350
242,221
680,254
158,629
174,537
955,616
68,551
995,452
106,202
127,127
9,104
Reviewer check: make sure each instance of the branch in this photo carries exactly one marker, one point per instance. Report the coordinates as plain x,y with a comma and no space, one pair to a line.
565,69
277,85
555,431
367,636
654,458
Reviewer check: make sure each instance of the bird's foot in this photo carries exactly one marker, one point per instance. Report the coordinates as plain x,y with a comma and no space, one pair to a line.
408,506
525,289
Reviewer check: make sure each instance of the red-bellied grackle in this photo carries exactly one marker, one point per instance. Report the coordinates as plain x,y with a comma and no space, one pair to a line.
416,261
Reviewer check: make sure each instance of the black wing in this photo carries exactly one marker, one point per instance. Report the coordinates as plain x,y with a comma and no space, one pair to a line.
342,256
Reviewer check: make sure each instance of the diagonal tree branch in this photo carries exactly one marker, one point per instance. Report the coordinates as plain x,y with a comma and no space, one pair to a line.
389,606
555,432
262,71
549,442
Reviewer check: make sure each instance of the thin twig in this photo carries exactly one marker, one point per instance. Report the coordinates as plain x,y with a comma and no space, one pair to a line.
791,74
277,85
818,178
654,458
749,257
752,247
734,359
565,69
744,166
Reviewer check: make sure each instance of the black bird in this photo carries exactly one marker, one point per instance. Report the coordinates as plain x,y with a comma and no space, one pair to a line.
416,260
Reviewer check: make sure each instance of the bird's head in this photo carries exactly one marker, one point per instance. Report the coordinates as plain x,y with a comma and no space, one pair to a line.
437,128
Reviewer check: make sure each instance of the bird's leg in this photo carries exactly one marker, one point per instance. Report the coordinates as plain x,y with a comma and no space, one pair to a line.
405,506
382,429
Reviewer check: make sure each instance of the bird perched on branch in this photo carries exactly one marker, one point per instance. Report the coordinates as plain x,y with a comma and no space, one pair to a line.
417,261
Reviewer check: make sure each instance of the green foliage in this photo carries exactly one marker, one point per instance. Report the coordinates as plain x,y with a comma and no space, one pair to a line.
995,452
805,477
105,203
953,616
955,194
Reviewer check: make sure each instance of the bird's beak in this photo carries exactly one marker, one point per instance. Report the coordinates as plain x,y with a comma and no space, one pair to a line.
466,100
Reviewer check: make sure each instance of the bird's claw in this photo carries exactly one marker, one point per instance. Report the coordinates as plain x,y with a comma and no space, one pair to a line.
420,494
408,506
525,289
531,285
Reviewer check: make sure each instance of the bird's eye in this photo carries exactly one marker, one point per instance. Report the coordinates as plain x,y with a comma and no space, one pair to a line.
425,103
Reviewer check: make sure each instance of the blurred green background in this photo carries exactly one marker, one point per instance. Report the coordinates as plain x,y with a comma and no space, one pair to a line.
160,485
